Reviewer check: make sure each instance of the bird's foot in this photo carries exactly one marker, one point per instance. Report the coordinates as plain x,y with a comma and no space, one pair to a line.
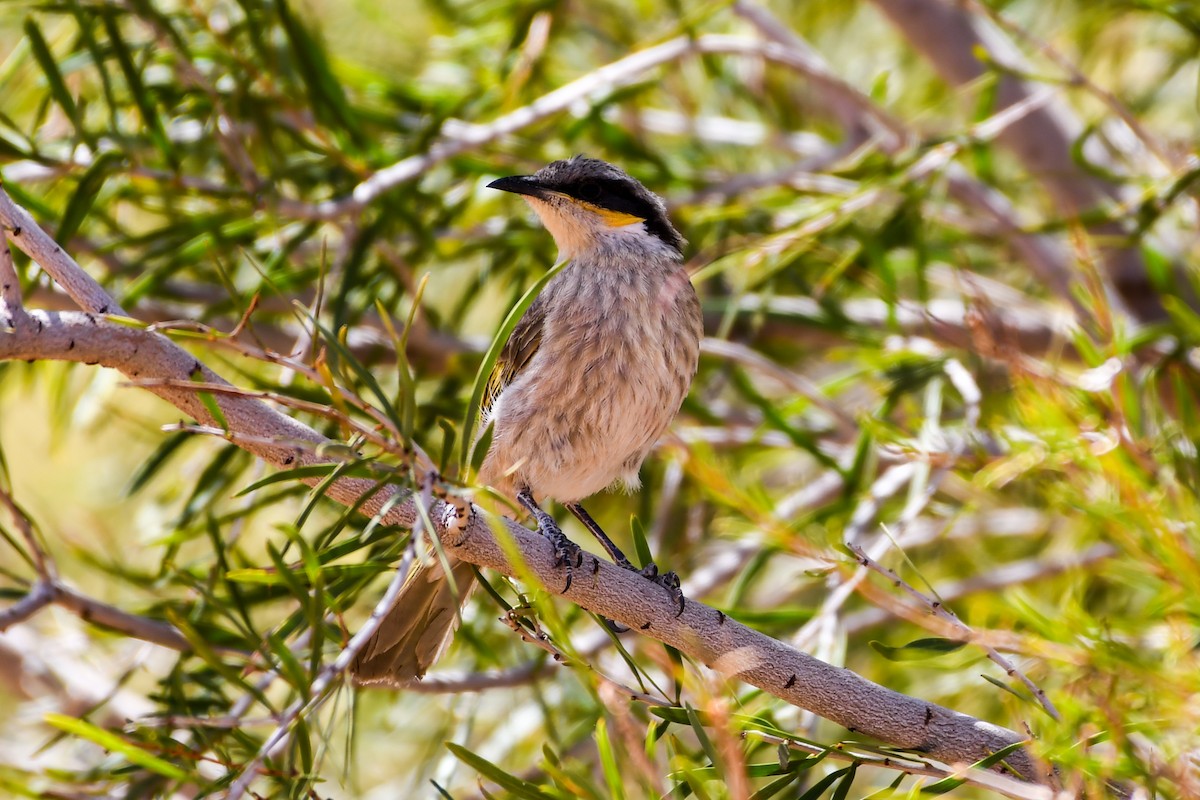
667,580
566,553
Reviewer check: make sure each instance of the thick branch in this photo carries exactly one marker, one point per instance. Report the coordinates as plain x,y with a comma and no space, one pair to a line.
701,632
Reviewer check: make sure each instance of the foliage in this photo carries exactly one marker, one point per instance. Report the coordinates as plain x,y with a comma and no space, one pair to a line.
183,151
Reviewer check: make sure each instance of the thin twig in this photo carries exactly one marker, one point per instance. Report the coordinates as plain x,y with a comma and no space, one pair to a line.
386,443
849,751
937,608
41,561
224,130
291,363
39,597
971,396
530,631
23,231
132,625
847,426
1078,78
50,590
11,308
1034,328
1011,574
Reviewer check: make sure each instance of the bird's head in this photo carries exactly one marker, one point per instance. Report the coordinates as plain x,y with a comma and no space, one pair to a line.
588,204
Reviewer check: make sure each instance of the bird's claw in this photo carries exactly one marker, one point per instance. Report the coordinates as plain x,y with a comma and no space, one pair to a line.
566,553
669,581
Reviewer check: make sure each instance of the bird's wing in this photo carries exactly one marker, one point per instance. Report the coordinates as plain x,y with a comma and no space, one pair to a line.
518,351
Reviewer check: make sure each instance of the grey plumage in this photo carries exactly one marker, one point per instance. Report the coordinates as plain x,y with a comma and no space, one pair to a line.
590,379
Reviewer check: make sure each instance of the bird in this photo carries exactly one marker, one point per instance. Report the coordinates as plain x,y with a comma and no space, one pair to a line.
590,378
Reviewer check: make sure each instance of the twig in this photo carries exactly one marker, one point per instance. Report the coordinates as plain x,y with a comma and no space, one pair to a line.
952,39
10,288
856,112
849,751
248,441
1078,78
24,232
50,590
847,427
1033,329
968,390
41,562
385,443
291,363
137,627
810,147
934,161
429,348
38,598
530,631
937,608
236,155
459,682
1012,574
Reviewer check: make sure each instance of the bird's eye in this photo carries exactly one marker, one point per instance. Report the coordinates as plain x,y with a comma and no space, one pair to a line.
589,191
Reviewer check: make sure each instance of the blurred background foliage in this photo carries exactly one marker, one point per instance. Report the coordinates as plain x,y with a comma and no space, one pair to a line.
182,152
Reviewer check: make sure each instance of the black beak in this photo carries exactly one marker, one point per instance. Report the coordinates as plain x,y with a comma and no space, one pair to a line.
519,184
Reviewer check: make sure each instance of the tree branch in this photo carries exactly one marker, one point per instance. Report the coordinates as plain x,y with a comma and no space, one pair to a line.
700,632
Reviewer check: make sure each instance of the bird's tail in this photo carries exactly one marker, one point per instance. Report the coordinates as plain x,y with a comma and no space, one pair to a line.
417,628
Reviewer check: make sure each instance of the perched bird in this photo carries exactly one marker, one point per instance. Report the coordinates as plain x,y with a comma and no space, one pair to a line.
591,376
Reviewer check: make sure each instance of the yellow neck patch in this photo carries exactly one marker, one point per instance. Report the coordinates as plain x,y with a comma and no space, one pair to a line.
614,219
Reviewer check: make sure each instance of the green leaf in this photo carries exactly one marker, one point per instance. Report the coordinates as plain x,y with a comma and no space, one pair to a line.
85,194
116,744
608,761
346,358
640,546
324,89
843,788
156,460
710,749
949,784
518,786
918,649
299,474
260,576
775,787
54,79
141,96
820,786
999,684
